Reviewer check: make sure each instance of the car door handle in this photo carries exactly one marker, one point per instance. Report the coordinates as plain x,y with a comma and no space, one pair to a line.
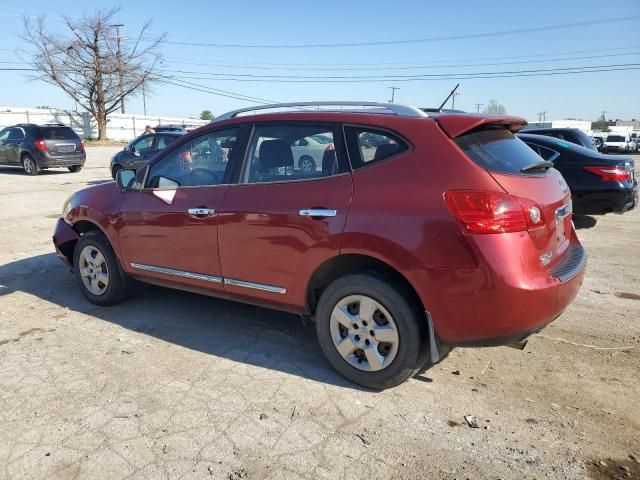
201,212
317,212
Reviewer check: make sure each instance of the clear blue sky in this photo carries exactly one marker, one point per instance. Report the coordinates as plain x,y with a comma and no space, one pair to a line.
330,21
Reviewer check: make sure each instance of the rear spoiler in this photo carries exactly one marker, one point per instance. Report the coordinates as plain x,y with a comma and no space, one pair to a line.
456,125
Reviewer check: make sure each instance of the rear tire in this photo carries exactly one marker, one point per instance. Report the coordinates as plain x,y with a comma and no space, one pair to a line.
75,168
379,329
29,165
97,270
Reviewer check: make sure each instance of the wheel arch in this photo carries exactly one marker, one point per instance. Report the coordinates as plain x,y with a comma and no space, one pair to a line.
351,263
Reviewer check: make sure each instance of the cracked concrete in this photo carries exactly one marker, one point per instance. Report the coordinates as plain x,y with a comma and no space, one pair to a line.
170,385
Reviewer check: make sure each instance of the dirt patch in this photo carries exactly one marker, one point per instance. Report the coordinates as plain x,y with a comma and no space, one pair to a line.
609,469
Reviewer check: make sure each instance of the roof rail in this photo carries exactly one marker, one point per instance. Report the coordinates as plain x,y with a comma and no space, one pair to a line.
394,108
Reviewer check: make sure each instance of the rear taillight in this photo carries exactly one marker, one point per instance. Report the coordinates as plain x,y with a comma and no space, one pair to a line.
611,174
493,212
81,146
40,145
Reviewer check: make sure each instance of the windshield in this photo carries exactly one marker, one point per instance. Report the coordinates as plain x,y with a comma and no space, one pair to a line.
615,138
498,150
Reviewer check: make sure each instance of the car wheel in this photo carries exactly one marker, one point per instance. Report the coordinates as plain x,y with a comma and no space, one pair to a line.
371,331
97,270
29,165
75,168
115,170
307,164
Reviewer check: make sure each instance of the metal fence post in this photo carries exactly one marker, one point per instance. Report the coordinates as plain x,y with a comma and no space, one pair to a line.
27,112
133,118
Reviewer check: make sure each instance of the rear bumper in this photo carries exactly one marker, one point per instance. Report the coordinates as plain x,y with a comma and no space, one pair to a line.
47,160
64,241
505,299
599,202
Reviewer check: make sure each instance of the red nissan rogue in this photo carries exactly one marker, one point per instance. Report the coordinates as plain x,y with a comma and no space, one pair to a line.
410,235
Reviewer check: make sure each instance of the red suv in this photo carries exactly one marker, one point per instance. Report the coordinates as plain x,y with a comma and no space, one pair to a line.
414,234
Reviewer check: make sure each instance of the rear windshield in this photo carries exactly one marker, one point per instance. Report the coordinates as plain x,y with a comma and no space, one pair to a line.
58,133
498,150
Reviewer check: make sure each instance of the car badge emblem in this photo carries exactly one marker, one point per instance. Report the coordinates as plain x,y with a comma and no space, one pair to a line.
563,186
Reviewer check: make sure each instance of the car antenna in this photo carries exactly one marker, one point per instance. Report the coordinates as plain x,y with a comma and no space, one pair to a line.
448,97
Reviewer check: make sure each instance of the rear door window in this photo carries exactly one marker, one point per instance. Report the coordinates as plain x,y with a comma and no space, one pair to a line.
498,150
58,133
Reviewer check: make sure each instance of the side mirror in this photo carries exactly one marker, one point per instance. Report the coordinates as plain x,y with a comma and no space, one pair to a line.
125,178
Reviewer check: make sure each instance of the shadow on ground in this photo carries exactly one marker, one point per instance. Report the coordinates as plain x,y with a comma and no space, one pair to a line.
18,170
584,221
243,333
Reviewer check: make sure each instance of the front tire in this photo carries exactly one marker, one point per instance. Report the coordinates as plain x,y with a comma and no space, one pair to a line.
115,170
29,165
307,164
75,168
98,271
371,330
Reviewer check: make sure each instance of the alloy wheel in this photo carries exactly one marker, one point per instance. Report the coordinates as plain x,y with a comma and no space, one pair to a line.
28,165
364,333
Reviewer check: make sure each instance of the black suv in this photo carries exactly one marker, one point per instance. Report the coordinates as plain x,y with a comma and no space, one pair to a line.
571,135
38,147
138,151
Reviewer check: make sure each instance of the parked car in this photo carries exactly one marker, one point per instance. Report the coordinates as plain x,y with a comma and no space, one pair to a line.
572,135
617,144
171,128
310,151
39,147
599,183
454,233
138,151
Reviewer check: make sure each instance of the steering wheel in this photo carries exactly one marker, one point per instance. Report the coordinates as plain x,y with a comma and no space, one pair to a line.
202,176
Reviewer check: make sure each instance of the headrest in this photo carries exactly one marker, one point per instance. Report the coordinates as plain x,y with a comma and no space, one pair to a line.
386,150
275,153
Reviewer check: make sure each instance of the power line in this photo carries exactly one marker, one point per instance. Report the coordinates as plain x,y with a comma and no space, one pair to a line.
213,91
429,62
469,36
422,79
400,67
392,77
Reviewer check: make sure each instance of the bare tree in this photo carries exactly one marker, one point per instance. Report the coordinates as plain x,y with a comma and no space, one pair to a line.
495,108
91,64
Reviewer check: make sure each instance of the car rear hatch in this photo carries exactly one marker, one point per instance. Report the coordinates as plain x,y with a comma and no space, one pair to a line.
61,141
525,178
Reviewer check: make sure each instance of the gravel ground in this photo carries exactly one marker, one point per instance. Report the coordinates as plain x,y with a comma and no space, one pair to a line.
174,385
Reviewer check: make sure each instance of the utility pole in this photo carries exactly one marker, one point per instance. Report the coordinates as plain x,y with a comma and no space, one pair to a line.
544,116
393,93
453,99
120,66
478,105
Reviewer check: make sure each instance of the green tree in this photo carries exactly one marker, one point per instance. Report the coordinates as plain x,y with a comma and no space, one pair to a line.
206,115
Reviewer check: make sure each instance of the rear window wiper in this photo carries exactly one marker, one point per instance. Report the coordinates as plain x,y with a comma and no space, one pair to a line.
537,166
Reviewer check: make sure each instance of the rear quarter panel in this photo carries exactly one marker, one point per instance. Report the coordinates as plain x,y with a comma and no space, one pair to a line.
398,213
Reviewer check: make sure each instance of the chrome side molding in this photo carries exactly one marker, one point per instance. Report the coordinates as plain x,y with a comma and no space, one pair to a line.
255,286
209,278
177,273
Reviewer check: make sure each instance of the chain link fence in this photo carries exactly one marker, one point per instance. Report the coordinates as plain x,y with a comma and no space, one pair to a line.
119,126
